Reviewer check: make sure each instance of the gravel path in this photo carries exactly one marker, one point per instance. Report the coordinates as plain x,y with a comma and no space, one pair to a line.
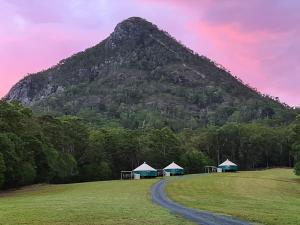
200,217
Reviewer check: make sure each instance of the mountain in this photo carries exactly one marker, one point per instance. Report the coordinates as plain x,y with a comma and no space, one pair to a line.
141,76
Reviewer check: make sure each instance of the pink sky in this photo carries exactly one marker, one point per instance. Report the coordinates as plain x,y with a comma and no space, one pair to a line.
256,40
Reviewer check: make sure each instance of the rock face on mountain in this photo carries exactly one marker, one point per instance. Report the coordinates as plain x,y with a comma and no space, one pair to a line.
140,76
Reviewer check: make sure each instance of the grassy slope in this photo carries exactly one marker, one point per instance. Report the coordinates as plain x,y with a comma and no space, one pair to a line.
271,197
109,203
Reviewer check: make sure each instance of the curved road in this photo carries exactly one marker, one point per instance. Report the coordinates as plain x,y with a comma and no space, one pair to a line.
200,217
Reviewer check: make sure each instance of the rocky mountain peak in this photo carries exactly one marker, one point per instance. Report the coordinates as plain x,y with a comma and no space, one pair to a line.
131,29
134,26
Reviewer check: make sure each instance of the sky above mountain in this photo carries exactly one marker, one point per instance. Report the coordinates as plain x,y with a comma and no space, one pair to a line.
256,40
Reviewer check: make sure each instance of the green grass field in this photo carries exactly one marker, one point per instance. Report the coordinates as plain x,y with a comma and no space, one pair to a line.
270,197
109,203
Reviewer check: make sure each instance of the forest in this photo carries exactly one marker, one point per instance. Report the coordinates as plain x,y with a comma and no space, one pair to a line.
65,149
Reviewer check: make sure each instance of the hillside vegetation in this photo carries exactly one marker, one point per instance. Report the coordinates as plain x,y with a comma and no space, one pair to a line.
142,77
46,149
270,197
97,203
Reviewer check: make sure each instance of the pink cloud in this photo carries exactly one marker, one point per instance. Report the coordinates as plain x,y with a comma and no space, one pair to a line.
258,57
232,48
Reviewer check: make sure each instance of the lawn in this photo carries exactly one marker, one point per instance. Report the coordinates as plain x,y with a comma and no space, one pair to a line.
270,197
107,202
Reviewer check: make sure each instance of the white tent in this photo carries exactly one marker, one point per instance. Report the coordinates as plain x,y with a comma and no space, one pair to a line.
227,163
173,166
173,169
144,167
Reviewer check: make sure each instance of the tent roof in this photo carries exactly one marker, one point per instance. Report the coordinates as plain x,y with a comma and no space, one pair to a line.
227,163
173,166
144,167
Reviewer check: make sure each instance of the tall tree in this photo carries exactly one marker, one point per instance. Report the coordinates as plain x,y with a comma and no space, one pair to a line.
2,170
296,145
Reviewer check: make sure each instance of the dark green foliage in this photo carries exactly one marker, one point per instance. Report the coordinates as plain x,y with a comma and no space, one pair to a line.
27,174
67,149
249,145
19,164
161,146
194,161
297,168
25,150
296,145
65,168
2,170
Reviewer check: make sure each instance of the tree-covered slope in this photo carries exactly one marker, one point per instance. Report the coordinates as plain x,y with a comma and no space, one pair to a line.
46,149
140,76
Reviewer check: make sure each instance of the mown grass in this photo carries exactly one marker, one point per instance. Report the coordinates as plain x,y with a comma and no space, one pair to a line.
270,197
109,203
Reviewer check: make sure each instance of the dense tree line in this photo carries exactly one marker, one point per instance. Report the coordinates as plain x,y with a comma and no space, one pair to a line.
35,149
66,149
250,145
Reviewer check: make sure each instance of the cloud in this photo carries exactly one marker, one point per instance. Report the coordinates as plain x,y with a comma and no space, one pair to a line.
254,15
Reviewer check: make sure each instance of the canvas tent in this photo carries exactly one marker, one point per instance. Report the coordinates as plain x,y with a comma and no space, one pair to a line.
174,169
228,166
145,170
